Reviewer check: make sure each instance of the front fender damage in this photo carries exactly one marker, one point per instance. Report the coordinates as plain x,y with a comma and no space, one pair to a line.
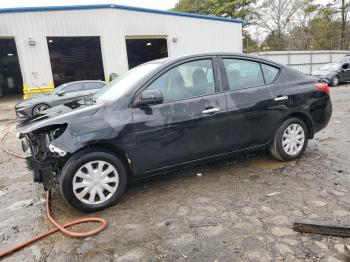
39,137
54,142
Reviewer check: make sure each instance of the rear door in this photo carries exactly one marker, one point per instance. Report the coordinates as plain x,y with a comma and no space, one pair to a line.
190,124
250,101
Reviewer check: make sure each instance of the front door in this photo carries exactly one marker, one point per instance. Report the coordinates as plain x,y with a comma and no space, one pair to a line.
190,124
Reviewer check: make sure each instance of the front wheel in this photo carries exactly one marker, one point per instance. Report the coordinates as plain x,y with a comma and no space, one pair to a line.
290,140
39,108
93,180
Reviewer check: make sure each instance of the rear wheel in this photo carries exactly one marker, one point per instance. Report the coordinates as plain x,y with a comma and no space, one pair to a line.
335,80
290,140
93,180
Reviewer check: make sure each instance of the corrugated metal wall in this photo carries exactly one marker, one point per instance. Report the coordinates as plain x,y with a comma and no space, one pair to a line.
304,61
193,35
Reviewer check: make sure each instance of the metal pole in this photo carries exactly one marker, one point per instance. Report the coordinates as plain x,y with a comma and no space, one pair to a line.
311,54
289,51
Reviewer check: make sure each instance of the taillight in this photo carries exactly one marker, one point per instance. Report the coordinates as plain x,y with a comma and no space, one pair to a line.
323,87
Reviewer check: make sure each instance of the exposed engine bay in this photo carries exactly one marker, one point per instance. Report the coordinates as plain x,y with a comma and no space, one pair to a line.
43,158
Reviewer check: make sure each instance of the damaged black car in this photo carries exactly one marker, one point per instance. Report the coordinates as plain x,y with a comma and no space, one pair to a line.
171,113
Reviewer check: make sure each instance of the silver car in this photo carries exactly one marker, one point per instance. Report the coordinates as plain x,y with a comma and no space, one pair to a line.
62,94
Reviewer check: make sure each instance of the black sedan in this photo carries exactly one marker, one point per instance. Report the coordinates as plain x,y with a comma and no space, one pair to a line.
333,73
171,113
62,94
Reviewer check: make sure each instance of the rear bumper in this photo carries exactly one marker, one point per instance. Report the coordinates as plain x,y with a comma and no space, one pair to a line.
322,115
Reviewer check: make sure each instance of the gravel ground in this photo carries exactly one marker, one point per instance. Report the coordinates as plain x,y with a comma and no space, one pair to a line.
224,214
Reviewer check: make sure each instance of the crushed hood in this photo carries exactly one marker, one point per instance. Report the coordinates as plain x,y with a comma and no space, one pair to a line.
321,73
57,115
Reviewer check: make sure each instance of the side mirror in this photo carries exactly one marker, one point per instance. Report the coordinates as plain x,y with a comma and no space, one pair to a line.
61,93
149,97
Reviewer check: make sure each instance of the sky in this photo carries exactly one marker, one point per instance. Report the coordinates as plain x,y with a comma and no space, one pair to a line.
154,4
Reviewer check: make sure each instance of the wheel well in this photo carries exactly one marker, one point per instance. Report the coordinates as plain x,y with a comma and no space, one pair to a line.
114,150
306,120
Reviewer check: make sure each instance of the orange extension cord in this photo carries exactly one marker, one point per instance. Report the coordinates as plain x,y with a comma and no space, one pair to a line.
59,227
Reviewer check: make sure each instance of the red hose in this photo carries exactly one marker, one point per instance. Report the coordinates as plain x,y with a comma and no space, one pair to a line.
59,227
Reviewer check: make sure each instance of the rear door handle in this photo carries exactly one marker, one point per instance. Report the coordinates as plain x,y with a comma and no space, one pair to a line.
281,98
211,110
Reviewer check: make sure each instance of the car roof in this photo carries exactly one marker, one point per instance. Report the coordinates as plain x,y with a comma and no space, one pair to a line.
85,81
173,59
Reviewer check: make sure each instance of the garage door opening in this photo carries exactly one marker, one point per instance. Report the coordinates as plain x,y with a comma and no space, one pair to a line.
75,58
11,82
143,50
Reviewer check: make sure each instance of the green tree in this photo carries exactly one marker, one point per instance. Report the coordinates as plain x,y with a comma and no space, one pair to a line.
324,30
275,42
277,16
226,8
249,44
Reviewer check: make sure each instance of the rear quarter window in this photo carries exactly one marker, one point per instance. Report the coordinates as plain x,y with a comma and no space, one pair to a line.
270,73
294,75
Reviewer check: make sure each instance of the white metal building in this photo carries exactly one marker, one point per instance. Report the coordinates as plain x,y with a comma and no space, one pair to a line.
51,45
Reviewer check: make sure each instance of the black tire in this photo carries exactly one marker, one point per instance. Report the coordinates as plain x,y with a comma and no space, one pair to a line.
335,81
276,147
75,163
34,111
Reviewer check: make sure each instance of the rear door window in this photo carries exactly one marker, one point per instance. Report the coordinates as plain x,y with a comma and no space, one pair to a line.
243,73
270,73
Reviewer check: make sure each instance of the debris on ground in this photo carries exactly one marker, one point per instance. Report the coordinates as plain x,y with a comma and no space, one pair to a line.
207,224
273,194
323,229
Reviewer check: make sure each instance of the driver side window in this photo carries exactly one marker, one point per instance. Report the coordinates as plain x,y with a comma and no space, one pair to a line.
186,80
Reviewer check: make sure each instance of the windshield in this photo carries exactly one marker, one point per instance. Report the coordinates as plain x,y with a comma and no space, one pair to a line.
332,66
122,84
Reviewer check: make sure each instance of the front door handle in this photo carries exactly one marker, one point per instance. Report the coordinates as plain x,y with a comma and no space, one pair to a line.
281,98
211,110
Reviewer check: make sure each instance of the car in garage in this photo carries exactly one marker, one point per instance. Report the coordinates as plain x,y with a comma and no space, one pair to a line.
168,114
333,73
62,94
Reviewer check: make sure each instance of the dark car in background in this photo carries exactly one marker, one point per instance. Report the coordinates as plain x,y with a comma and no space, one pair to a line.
171,113
62,94
333,73
345,59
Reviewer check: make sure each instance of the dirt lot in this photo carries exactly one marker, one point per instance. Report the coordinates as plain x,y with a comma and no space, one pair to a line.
222,215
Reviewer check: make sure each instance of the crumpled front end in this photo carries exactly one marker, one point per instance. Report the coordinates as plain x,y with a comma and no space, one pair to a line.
43,158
